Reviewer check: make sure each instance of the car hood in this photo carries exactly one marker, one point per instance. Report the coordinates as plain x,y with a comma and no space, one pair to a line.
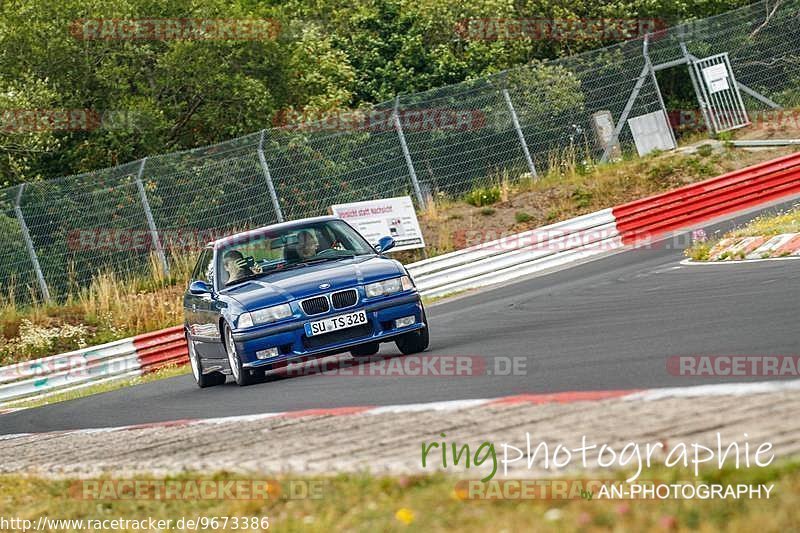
280,287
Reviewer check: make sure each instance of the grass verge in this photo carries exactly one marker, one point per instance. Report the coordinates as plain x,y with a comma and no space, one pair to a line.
426,503
766,225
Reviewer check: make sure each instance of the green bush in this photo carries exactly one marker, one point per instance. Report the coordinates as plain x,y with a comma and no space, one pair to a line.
483,196
582,197
521,217
705,150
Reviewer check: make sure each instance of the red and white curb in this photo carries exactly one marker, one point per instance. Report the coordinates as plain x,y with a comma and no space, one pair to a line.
724,389
756,247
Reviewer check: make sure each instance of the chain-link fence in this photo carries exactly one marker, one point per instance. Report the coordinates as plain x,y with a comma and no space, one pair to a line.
56,235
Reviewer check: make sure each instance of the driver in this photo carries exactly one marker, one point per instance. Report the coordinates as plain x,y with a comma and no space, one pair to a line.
307,244
236,266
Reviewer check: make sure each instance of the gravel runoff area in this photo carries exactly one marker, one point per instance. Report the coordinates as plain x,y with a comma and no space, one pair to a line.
389,441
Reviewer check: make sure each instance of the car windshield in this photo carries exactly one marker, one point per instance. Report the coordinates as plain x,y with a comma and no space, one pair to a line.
272,251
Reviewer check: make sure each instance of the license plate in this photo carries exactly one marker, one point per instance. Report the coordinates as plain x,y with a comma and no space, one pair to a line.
335,323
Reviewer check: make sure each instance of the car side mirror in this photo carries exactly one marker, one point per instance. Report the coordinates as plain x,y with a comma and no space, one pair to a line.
199,288
386,243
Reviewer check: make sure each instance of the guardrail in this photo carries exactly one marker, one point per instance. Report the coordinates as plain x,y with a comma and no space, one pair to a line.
725,194
117,360
517,255
486,263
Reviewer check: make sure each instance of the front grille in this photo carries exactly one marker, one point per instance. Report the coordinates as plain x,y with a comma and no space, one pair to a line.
344,299
343,335
315,306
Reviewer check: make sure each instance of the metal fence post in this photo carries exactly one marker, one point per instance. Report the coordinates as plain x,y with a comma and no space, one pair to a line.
268,176
628,107
150,222
29,245
520,135
649,64
399,127
696,86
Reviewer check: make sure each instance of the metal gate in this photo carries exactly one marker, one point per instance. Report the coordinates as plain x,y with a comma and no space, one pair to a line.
719,94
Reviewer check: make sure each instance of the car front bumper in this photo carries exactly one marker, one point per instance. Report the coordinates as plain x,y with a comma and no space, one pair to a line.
293,344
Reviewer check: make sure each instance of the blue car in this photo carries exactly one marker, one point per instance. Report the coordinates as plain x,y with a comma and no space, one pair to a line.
293,291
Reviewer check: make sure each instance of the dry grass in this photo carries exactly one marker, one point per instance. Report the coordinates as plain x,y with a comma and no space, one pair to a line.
770,225
111,307
425,503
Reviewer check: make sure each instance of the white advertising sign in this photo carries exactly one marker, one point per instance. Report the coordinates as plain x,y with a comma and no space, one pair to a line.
716,77
374,219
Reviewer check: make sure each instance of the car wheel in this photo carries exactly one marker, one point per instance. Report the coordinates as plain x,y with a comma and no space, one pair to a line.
365,350
241,375
203,381
416,341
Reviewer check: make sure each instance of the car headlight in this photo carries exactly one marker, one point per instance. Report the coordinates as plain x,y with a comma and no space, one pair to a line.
388,286
264,316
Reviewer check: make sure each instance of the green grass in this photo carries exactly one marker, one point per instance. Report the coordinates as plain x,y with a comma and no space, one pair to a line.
428,503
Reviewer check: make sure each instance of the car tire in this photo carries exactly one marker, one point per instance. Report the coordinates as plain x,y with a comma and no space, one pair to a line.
212,379
365,350
416,341
242,376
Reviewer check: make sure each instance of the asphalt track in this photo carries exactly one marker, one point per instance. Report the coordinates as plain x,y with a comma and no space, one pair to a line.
607,324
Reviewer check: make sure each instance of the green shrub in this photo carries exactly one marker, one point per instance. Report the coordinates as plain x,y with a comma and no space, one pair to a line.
582,197
488,211
699,251
705,150
483,196
521,217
